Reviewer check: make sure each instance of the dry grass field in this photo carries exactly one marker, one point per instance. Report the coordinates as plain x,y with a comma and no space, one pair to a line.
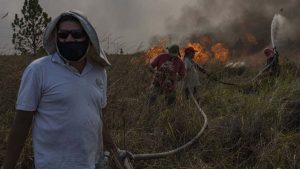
246,129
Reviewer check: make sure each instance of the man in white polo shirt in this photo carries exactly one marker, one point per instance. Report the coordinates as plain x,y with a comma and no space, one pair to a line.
62,96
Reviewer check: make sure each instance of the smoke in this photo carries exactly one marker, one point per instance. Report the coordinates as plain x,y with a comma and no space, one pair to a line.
122,23
131,24
119,23
233,21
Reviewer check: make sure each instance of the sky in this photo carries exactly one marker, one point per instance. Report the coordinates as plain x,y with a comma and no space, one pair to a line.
127,23
136,24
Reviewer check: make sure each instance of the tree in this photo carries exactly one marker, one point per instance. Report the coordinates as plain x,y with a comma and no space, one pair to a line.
28,29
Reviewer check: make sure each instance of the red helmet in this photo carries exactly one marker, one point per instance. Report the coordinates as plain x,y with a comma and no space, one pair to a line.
189,50
268,52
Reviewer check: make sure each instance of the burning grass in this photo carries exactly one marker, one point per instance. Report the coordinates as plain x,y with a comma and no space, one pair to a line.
245,130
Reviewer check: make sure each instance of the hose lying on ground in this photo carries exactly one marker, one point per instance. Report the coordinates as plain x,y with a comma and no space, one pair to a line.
174,151
210,76
131,156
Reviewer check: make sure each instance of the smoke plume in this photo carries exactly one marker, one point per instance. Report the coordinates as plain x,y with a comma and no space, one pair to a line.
237,23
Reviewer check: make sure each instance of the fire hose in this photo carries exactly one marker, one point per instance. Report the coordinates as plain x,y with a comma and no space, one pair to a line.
210,75
274,33
130,156
276,55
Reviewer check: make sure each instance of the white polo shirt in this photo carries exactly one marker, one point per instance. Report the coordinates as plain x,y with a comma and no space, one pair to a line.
67,126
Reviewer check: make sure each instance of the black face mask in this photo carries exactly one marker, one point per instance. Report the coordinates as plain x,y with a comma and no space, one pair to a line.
73,51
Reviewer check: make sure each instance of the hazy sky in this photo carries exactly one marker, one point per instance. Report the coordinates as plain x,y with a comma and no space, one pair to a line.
129,23
134,23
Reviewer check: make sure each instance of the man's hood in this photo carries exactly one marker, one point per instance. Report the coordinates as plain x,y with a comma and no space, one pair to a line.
49,39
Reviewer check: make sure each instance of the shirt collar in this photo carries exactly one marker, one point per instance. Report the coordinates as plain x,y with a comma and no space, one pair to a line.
57,59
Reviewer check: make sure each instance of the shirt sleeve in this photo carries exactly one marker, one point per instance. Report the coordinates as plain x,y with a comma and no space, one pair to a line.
30,90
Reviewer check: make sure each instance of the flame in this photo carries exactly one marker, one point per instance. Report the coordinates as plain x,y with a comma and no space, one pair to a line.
201,55
155,50
220,52
251,38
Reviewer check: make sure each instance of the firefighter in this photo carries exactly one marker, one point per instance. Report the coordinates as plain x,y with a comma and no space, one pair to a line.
191,80
168,68
272,64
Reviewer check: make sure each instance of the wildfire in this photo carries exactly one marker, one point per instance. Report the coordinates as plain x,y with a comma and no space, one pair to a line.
220,52
202,55
155,50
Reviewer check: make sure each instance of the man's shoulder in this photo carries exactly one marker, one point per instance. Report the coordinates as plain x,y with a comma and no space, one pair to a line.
159,58
40,62
163,55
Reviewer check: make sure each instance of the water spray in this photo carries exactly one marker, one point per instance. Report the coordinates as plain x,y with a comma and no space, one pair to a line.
274,29
275,25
